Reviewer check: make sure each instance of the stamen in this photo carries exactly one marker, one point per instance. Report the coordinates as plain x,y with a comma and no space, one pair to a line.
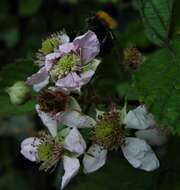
39,58
65,65
109,132
50,152
49,45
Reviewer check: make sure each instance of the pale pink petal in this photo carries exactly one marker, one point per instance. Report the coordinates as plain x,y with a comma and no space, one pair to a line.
73,82
66,48
49,121
94,159
29,148
39,86
75,119
74,142
139,118
139,154
69,82
39,80
153,136
87,45
86,77
50,60
71,167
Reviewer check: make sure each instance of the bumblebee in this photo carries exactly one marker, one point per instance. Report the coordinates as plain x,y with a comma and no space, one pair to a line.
107,19
101,23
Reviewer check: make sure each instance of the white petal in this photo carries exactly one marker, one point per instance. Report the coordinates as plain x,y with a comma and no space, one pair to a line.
29,148
74,142
71,167
139,118
139,154
48,121
75,119
73,104
94,159
153,136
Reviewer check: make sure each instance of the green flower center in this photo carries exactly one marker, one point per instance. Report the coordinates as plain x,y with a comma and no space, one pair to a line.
109,133
44,151
49,45
104,130
65,65
49,152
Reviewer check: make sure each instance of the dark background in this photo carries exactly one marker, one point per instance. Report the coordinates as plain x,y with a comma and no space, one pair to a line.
23,25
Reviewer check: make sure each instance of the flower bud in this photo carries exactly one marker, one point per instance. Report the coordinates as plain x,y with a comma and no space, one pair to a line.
18,93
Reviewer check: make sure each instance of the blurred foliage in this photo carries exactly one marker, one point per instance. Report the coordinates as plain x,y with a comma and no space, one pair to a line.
28,7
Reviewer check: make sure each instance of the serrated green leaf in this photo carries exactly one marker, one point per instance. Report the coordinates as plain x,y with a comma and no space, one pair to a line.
10,74
29,7
158,81
156,15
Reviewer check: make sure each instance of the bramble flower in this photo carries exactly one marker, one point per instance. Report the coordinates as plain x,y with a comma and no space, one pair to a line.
66,146
70,65
111,133
52,102
56,108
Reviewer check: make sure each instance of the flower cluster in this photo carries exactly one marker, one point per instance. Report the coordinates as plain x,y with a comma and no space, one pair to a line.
64,68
